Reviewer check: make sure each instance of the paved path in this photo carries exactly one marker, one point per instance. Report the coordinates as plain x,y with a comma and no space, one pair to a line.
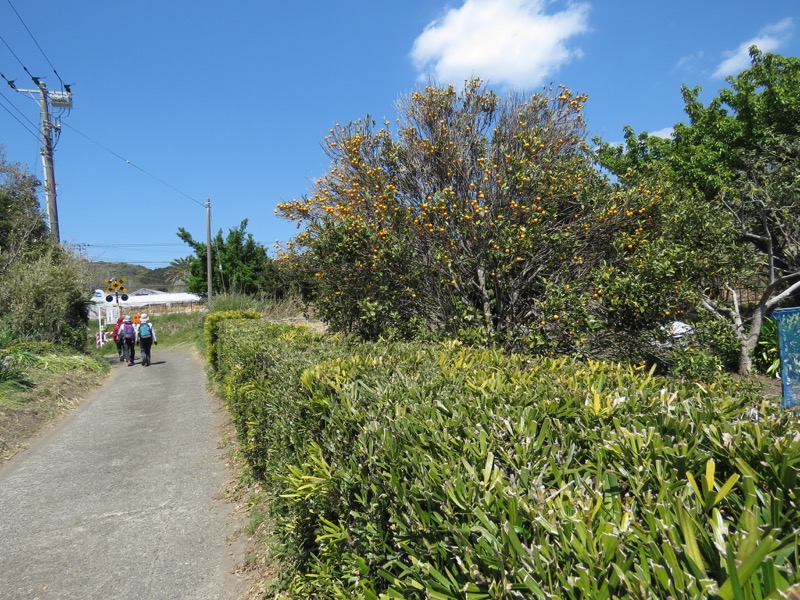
121,500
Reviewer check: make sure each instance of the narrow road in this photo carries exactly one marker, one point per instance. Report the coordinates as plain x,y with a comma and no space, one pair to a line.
122,499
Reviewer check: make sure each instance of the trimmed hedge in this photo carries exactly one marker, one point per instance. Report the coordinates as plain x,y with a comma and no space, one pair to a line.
211,326
421,471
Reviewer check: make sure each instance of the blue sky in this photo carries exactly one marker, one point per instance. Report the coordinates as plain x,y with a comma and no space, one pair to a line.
178,101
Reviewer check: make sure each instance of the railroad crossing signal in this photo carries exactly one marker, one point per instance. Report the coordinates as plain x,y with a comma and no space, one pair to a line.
116,289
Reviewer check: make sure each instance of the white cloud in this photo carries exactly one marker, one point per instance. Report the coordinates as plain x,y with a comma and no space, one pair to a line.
769,39
689,61
506,42
665,133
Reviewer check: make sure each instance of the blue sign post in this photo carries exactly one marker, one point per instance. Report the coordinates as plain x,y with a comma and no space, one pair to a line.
789,341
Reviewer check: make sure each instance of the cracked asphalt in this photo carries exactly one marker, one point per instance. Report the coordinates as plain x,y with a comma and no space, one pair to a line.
123,499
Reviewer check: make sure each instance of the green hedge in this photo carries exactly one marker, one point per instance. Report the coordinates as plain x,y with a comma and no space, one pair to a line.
259,367
412,471
211,327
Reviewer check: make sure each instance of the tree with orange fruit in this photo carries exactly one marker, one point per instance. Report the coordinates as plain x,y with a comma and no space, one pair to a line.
462,221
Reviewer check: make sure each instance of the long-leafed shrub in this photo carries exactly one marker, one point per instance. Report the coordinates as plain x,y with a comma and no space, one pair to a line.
411,471
211,327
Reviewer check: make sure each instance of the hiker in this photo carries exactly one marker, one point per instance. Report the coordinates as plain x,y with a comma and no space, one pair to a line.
117,335
147,337
128,340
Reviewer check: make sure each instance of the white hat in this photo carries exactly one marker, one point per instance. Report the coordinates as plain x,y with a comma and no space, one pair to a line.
144,318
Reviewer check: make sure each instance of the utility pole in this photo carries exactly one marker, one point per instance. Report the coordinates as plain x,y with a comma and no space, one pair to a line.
47,163
61,100
208,247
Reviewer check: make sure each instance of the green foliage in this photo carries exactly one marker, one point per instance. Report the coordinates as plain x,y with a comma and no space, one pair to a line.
434,471
240,265
41,293
229,302
767,357
42,299
10,370
22,365
185,329
487,221
211,328
22,225
741,153
37,348
258,366
459,222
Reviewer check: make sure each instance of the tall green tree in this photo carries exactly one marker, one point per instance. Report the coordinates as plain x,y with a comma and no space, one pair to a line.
22,224
741,153
41,292
240,264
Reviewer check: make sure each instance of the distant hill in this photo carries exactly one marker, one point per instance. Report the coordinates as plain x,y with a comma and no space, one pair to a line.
137,276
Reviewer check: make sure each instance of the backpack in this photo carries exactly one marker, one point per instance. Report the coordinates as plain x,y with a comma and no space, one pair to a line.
128,332
145,331
115,332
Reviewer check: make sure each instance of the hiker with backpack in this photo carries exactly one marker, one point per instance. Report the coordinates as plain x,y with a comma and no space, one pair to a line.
128,332
117,335
147,337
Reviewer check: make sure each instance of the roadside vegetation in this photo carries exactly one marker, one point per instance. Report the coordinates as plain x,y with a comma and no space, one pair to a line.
437,470
40,382
44,370
494,221
511,410
542,367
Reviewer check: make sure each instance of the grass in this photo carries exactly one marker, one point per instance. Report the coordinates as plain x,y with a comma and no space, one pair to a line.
49,385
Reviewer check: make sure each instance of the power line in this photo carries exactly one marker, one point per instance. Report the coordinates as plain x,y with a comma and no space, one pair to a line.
33,132
24,68
35,42
133,245
126,161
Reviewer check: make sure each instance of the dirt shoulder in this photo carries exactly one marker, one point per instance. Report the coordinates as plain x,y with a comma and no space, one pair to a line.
25,413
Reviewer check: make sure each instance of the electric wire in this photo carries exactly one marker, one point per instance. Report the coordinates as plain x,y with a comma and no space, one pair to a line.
58,129
34,131
14,54
37,45
132,245
126,161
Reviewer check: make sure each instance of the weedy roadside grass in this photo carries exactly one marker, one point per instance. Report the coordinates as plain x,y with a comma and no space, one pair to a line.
41,383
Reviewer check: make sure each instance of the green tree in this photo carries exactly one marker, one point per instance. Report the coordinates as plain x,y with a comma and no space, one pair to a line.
740,152
41,294
22,224
240,265
179,271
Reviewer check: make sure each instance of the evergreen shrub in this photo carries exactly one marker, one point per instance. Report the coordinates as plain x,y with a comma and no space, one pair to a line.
436,471
211,326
